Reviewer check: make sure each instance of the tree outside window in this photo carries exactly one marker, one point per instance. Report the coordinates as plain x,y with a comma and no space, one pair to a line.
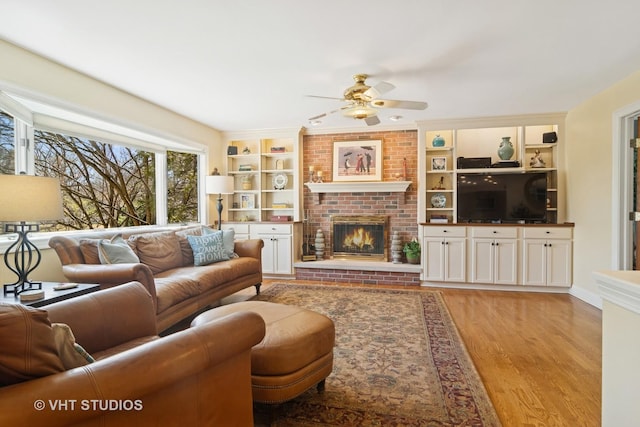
7,148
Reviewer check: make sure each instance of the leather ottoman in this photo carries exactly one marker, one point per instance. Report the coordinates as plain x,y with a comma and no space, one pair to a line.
295,354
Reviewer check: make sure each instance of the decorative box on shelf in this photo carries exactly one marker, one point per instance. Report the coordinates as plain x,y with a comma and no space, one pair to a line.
278,149
281,218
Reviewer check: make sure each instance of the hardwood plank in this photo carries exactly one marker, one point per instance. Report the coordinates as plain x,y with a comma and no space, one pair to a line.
539,355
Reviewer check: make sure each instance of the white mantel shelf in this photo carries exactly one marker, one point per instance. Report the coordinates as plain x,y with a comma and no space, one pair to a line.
359,187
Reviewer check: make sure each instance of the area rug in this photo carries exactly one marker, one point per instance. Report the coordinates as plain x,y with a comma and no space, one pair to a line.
398,361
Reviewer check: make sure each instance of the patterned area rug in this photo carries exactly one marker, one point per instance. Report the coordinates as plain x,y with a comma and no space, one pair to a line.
398,361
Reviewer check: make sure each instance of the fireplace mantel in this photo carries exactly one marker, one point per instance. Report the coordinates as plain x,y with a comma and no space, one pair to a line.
359,187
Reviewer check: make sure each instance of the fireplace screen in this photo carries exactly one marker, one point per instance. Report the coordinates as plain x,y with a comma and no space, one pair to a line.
361,237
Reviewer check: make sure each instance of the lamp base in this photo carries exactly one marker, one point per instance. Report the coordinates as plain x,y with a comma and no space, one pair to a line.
18,288
26,258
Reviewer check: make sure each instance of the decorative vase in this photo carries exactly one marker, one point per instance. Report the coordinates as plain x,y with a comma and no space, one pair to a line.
413,260
438,200
396,248
438,141
505,151
319,245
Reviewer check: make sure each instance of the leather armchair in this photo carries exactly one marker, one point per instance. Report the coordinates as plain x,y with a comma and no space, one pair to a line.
200,376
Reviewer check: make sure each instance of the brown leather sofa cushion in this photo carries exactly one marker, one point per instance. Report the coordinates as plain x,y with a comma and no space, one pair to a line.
160,251
28,348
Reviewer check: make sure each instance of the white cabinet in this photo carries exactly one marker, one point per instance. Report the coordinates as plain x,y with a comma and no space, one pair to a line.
494,255
444,254
547,257
277,254
506,255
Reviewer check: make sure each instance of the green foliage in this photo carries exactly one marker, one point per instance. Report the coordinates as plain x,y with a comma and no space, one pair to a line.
412,249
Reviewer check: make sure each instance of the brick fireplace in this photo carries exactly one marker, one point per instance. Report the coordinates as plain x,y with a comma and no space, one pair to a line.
400,210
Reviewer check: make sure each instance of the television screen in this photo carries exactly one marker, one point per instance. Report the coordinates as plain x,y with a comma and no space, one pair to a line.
509,197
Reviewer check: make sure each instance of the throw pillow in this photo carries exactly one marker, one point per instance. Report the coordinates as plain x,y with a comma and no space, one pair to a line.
228,240
71,353
28,348
208,248
160,250
116,251
185,247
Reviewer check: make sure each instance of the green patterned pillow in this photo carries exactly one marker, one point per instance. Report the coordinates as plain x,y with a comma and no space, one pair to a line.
116,251
208,248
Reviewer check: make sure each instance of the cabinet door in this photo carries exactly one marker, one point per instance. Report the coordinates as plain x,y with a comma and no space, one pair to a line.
559,263
268,254
534,262
433,258
282,254
455,260
482,261
505,262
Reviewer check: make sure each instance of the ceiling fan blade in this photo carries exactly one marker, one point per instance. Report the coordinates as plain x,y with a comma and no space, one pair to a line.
319,116
324,97
407,105
372,121
375,91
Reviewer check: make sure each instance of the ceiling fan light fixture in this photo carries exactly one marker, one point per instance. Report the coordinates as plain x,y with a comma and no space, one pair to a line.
360,111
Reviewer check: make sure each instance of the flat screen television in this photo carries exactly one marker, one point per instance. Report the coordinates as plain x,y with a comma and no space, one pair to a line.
502,197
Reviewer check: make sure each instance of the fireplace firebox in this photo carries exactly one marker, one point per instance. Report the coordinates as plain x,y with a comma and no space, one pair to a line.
359,237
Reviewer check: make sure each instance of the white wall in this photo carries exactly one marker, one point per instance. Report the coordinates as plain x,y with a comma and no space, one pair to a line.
588,156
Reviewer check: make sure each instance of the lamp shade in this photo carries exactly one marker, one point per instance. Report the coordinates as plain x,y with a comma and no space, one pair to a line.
218,184
30,198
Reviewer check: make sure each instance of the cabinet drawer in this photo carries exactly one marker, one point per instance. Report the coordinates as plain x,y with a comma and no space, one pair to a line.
495,232
547,232
271,229
445,231
238,228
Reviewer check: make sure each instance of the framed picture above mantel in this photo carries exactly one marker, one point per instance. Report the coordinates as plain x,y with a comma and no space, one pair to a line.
357,160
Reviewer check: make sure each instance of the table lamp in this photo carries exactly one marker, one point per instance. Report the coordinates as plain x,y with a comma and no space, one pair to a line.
25,201
219,184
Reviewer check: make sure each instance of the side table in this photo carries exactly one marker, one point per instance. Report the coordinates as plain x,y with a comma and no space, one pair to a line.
51,295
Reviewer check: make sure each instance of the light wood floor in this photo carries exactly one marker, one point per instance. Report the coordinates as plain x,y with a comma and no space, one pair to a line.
539,355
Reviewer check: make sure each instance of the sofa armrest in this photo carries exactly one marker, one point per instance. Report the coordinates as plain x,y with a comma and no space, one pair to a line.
194,377
249,248
107,318
109,275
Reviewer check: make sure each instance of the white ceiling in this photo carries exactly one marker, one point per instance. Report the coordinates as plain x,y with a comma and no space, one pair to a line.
248,64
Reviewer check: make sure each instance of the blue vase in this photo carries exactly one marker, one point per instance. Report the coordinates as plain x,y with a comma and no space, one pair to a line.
438,141
505,151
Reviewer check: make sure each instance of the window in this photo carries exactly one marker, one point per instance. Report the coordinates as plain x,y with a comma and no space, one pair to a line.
110,175
103,185
182,188
7,149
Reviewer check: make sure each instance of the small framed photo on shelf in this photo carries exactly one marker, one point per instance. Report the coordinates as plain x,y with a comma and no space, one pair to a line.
438,163
247,201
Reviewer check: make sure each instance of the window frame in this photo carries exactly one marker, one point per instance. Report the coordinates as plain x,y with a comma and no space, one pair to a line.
30,114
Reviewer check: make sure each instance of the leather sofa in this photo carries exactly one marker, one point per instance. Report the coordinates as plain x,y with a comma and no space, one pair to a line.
178,287
200,376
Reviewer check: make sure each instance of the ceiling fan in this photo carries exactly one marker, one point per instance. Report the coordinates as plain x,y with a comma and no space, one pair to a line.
363,101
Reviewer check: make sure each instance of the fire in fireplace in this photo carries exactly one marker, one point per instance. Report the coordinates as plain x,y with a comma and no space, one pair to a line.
359,237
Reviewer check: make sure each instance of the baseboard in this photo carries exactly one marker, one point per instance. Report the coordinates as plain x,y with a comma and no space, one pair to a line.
587,296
